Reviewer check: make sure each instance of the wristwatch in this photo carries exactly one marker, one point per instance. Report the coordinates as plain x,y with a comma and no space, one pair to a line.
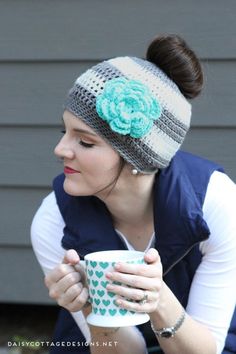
168,332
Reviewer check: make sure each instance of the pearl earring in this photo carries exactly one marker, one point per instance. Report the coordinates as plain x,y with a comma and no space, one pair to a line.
134,171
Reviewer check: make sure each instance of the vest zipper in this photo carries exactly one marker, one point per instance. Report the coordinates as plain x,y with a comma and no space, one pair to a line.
179,259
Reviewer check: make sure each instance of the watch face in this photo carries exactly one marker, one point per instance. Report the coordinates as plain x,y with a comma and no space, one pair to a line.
167,333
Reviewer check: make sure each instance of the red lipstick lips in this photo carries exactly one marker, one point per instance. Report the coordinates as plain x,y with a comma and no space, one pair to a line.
69,170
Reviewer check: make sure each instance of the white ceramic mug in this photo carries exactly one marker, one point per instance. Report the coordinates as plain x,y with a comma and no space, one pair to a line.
105,312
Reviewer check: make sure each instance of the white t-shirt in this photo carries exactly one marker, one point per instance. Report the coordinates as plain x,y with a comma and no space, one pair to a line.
212,296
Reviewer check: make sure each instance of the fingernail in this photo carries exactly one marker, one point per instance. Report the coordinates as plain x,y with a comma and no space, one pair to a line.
118,302
117,266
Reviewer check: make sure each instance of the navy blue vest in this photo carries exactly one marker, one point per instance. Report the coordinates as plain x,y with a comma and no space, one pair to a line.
179,194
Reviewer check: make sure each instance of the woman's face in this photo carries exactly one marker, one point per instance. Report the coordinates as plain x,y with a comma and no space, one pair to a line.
90,164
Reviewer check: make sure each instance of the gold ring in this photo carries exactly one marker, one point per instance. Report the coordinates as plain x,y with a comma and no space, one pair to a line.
144,299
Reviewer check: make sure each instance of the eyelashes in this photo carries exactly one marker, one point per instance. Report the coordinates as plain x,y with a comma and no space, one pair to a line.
86,145
81,142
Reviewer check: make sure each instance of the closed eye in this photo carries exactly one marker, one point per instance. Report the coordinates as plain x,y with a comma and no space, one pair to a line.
86,145
81,142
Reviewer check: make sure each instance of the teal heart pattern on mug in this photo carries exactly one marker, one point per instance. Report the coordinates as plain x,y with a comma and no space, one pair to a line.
93,264
101,293
106,302
111,294
99,274
95,282
123,311
97,301
104,283
102,311
112,312
103,302
104,265
90,272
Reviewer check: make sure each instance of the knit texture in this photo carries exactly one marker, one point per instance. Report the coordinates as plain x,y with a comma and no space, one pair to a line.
128,106
146,128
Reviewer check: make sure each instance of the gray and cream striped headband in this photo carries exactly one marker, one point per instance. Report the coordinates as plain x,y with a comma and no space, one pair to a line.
135,107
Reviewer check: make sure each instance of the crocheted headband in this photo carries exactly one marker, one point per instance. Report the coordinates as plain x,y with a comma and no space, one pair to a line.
135,107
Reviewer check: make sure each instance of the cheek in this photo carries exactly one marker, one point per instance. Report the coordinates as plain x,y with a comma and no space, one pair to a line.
109,163
99,160
98,169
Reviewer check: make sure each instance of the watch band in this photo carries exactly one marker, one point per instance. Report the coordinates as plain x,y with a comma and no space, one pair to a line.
168,332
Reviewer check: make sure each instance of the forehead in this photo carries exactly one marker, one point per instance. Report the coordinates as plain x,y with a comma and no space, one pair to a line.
70,118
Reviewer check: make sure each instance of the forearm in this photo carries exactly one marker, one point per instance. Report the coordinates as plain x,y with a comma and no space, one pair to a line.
124,340
191,338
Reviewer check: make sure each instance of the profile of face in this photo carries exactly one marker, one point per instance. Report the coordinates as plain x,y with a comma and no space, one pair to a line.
90,164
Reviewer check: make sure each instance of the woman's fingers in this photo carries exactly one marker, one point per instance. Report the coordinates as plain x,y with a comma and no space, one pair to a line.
138,306
71,257
137,286
79,301
146,270
152,256
142,276
134,281
70,295
64,284
131,293
61,270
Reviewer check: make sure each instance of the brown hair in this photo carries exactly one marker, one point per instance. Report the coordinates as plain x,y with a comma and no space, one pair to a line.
172,54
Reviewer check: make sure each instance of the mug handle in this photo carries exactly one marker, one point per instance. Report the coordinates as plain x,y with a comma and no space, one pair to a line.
82,262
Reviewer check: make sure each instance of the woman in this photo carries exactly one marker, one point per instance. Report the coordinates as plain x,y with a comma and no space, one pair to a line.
126,185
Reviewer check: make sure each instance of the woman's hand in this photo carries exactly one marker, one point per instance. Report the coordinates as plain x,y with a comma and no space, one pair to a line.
144,283
66,283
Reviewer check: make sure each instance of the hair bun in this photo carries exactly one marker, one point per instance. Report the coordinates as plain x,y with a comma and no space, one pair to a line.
172,54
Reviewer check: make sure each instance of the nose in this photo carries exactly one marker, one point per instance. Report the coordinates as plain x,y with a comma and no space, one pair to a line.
63,150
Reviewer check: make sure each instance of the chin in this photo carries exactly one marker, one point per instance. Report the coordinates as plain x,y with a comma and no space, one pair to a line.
75,188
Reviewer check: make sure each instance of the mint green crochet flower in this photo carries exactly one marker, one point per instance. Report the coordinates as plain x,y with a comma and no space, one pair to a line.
128,106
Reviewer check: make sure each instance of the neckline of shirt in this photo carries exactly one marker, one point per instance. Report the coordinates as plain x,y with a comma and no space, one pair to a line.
129,245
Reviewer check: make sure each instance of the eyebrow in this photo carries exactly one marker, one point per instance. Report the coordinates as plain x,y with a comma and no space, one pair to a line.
84,131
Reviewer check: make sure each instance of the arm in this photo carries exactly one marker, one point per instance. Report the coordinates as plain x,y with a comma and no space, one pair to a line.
214,278
46,234
212,295
57,265
192,337
123,340
162,306
117,338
